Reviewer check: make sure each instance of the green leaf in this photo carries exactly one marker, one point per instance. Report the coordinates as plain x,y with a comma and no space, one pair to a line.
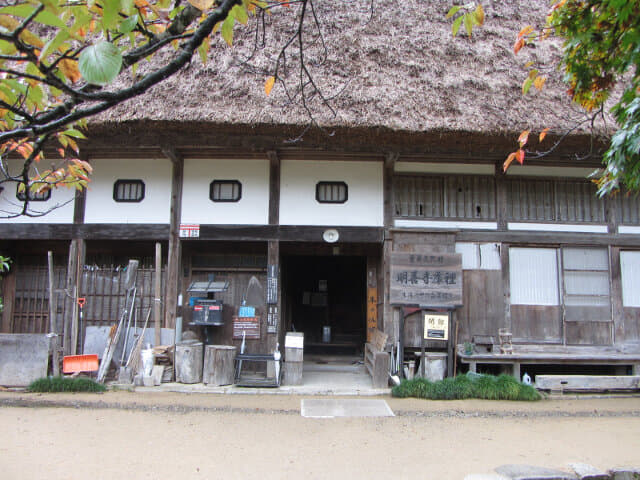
53,44
453,11
526,86
227,29
129,24
456,25
72,132
240,14
110,9
468,23
203,49
100,63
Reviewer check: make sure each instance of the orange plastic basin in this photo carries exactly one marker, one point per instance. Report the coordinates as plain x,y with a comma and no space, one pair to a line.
80,363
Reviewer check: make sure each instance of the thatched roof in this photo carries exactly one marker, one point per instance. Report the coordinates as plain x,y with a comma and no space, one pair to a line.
398,69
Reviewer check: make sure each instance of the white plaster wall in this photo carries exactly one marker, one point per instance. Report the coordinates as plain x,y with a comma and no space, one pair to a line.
59,207
298,205
253,207
154,208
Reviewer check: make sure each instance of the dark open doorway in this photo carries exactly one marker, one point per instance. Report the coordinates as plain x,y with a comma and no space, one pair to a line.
326,299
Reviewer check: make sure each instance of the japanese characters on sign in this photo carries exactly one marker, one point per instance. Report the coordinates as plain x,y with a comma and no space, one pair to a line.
249,325
272,319
433,280
272,284
189,231
436,326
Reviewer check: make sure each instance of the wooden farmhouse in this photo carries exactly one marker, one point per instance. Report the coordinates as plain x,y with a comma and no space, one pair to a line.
391,208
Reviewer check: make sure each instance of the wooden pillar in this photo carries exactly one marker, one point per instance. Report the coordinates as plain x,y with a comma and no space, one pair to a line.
70,298
611,214
8,299
157,297
274,310
173,267
76,334
274,188
501,198
79,205
506,286
388,318
53,328
617,309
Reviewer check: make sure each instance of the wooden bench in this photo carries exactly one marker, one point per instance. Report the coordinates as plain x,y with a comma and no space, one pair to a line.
376,360
555,355
587,383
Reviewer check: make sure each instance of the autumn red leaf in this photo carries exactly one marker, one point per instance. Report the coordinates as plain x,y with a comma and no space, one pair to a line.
508,161
520,156
543,134
523,138
268,85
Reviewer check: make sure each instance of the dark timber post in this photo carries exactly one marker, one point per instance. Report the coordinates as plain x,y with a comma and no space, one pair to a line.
173,267
388,323
274,310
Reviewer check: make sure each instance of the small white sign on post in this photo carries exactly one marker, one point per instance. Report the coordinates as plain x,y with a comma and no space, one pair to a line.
189,230
436,326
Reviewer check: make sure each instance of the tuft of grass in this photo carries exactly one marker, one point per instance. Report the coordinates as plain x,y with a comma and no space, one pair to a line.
488,387
65,384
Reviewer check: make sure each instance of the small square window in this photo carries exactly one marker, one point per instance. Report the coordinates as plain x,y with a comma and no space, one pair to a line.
225,191
41,196
332,192
128,191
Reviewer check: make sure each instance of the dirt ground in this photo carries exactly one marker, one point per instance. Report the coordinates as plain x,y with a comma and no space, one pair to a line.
180,436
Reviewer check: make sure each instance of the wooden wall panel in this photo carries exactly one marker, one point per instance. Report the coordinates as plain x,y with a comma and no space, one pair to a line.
533,323
587,314
232,299
631,325
482,312
588,333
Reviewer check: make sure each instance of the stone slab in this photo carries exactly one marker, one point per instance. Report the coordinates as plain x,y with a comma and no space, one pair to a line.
530,472
332,408
585,471
23,358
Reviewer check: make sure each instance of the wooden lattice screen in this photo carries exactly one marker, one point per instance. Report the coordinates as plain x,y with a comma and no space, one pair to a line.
102,287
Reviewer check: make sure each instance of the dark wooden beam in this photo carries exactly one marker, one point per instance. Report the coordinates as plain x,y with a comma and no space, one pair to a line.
387,180
173,267
87,231
287,233
274,188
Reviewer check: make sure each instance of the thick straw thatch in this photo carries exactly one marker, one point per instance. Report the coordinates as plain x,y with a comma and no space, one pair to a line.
398,68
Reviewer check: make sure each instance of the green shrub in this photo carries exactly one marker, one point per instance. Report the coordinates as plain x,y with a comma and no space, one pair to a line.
488,387
65,384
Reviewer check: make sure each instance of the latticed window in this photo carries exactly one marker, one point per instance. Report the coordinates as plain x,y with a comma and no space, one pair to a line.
332,192
628,208
128,191
34,196
460,197
225,191
554,201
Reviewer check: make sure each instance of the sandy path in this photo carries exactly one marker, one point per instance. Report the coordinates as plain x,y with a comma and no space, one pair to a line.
249,437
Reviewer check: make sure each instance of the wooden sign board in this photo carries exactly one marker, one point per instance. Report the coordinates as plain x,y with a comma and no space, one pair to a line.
422,279
436,326
249,325
372,311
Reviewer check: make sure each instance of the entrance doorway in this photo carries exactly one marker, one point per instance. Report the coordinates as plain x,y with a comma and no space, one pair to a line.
325,297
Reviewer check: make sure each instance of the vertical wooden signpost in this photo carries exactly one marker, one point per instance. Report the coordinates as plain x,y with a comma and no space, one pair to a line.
433,283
